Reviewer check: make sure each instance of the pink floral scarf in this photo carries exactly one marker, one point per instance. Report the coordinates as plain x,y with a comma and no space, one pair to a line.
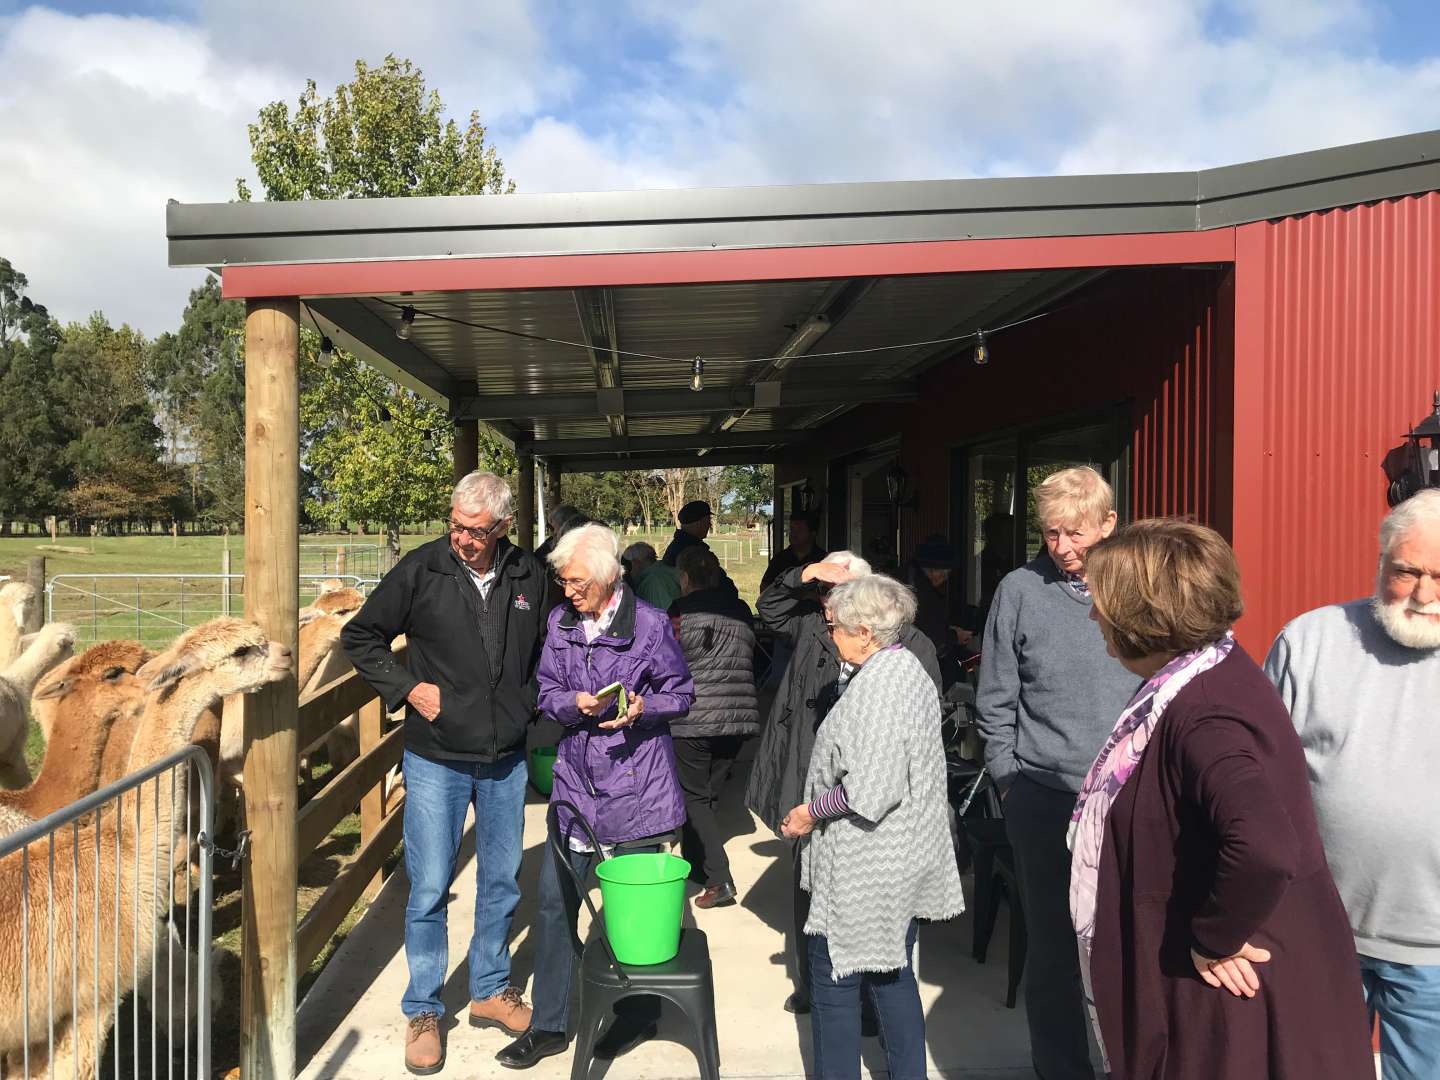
1118,759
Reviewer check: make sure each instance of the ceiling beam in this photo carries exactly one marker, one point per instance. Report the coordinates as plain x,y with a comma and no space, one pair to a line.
666,461
703,440
596,311
717,399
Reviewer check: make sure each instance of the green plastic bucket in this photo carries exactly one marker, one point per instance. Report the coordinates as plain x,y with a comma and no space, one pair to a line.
644,898
542,768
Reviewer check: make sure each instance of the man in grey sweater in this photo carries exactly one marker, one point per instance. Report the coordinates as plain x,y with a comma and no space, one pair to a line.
1362,682
1049,696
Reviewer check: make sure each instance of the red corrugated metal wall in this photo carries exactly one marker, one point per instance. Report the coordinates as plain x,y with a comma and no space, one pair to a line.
1337,354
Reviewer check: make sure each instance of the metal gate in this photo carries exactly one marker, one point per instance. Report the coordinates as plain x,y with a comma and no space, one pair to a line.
82,956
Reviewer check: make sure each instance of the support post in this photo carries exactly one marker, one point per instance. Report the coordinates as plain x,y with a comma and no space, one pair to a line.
779,519
272,567
225,581
35,578
372,804
467,447
552,484
525,503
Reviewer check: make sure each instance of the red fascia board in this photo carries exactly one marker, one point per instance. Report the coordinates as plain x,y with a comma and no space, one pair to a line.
389,277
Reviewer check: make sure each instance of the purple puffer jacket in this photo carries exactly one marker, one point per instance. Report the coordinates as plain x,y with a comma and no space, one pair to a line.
623,781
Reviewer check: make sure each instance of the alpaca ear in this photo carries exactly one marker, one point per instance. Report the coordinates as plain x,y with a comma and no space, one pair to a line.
309,614
58,688
166,670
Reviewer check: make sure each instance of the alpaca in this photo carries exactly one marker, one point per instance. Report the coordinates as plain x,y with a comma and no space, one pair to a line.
43,650
86,697
17,599
222,657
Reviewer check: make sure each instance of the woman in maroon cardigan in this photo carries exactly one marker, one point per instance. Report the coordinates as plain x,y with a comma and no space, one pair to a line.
1212,939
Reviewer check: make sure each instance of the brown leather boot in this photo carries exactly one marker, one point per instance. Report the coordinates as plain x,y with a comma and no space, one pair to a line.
424,1056
506,1010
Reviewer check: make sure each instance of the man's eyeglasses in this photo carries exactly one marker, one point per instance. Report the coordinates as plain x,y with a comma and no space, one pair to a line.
572,584
478,535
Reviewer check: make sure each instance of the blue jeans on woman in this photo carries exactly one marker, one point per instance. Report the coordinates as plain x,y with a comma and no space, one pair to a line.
1406,998
835,1016
437,796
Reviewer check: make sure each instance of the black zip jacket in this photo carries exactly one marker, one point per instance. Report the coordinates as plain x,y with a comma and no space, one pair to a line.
485,703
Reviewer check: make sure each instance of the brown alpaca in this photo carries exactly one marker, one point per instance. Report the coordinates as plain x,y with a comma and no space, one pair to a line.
43,650
87,698
16,600
222,657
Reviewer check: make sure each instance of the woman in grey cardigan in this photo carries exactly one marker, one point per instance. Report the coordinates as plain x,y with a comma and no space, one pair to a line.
879,855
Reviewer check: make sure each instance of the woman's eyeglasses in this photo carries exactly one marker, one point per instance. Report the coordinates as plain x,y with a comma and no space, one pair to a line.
570,584
478,535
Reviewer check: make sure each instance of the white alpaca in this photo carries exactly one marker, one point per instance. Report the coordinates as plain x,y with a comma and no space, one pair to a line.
43,650
16,601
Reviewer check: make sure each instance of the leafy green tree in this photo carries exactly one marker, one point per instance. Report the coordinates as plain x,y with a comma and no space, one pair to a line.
33,468
382,135
747,488
197,378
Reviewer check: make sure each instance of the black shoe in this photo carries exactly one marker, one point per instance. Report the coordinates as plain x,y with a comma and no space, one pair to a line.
722,895
625,1034
797,1005
531,1047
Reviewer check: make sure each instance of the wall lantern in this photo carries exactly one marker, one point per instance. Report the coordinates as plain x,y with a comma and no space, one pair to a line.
1418,466
897,483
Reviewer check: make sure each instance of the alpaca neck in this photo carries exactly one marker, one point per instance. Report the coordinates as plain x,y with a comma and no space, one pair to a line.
73,757
30,666
169,721
10,634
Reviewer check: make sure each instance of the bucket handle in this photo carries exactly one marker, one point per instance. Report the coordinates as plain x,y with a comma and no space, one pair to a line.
557,851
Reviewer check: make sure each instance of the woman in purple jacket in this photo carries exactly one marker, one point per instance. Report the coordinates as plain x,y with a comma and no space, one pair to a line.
617,768
1212,941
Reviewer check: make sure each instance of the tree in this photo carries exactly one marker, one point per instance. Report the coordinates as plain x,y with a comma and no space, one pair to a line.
33,466
379,136
749,487
648,489
677,484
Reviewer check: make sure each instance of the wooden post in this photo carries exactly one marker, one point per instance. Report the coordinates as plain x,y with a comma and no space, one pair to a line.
552,484
779,520
467,447
525,504
272,566
372,803
35,578
340,561
225,581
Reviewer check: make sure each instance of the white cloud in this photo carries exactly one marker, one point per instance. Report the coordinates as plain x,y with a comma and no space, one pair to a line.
102,118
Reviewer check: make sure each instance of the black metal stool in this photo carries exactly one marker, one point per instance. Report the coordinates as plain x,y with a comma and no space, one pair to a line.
686,980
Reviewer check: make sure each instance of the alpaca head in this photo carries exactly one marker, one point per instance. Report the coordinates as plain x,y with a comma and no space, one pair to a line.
340,602
96,687
221,657
18,598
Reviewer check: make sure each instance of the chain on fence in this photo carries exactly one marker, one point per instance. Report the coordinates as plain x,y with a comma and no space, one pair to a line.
108,904
154,608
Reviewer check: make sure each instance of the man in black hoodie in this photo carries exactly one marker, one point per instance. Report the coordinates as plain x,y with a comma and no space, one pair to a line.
470,606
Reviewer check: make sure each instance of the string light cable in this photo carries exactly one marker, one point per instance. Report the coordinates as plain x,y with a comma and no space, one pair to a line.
328,356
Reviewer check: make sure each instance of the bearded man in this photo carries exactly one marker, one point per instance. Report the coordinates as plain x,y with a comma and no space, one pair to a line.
1362,682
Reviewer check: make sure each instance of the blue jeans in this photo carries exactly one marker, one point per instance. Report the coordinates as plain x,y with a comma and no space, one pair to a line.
1406,998
557,946
835,1016
437,796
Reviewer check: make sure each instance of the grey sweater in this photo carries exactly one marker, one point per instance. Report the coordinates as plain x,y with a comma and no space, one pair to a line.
1049,693
1366,710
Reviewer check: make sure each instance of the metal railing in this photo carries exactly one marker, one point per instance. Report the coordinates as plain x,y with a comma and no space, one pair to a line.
154,608
341,560
69,850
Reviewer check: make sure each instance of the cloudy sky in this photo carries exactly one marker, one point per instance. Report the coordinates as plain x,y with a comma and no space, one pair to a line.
108,109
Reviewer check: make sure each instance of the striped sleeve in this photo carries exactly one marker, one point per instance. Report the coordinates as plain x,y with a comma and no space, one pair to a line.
832,804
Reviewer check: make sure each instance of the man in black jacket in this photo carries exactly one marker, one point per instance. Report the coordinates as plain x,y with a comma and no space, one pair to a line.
694,518
470,606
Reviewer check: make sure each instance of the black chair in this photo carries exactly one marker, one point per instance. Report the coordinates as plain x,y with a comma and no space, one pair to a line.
686,981
994,864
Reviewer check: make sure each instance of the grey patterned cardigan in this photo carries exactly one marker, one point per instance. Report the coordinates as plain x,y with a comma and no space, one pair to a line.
891,860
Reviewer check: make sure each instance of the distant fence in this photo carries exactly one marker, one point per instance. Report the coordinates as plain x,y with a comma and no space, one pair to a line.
332,560
154,608
114,897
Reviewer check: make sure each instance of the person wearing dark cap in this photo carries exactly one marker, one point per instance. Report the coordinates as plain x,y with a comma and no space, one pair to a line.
694,520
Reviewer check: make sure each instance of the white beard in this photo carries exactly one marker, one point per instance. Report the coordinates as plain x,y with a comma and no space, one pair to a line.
1412,633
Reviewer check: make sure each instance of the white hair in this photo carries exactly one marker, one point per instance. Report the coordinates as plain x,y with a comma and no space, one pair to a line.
857,566
596,547
1420,510
640,550
482,492
879,603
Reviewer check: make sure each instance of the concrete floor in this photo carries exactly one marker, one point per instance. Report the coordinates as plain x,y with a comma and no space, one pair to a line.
350,1023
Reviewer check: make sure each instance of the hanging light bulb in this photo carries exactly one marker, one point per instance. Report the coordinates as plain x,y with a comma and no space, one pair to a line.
327,351
982,350
697,376
427,440
387,425
407,320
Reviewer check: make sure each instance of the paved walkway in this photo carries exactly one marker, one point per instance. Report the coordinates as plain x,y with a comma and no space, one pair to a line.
350,1024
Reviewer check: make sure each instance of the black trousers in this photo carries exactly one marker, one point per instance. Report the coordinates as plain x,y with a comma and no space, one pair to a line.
1036,820
702,765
